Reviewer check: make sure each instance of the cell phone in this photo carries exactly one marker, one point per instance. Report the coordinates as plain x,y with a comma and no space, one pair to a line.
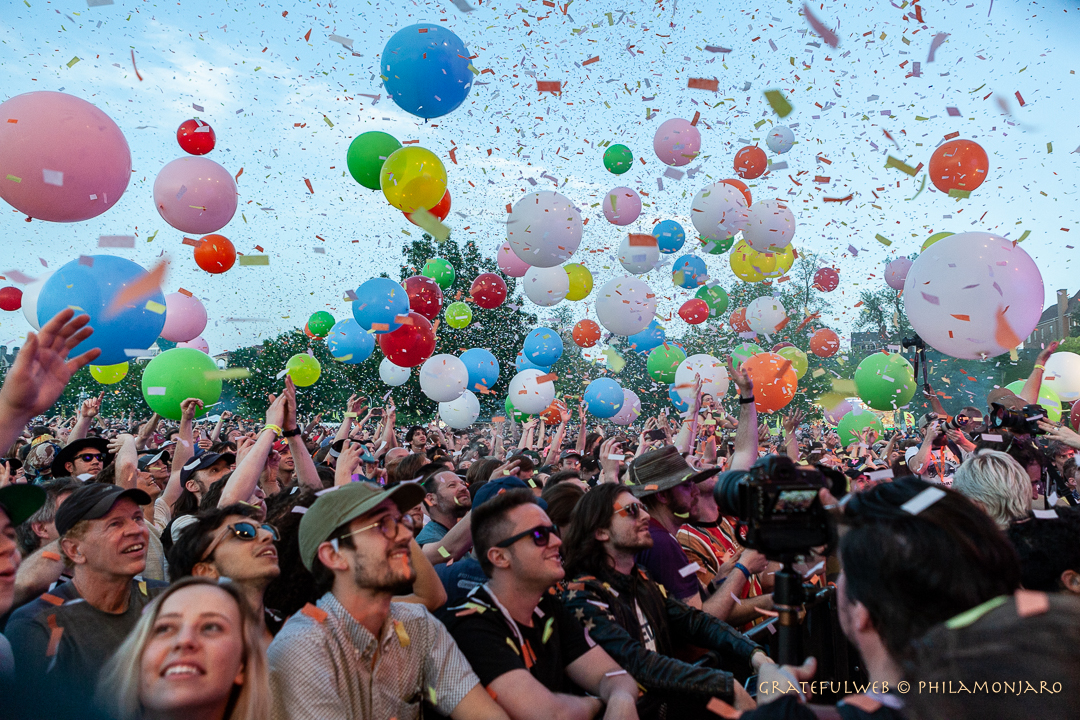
655,435
377,412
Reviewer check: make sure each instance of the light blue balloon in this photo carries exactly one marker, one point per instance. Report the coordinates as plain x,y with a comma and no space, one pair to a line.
543,346
350,343
694,272
677,400
483,368
603,397
90,286
378,301
523,363
647,339
426,69
669,235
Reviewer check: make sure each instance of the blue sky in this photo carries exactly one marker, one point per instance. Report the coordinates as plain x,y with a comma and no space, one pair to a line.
248,65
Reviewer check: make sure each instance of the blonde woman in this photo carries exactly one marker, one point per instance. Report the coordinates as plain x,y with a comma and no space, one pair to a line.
997,483
196,654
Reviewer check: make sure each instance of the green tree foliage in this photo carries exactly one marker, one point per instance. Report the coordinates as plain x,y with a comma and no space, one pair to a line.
882,312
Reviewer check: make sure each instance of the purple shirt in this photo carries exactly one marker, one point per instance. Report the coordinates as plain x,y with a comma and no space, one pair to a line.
664,561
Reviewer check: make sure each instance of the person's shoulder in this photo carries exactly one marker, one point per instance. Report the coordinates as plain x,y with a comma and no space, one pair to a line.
303,629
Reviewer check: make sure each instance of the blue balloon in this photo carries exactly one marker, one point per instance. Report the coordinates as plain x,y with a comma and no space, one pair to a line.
90,287
648,338
676,399
669,235
378,302
350,343
483,368
543,346
426,69
603,397
523,363
689,271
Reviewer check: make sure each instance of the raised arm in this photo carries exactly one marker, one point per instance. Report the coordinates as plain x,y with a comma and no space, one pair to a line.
244,479
87,412
306,473
148,429
183,451
746,436
215,436
1030,391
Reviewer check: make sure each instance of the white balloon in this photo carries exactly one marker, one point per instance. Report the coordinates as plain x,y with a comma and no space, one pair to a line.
974,295
713,374
896,273
461,413
546,286
780,139
765,315
630,410
637,259
443,378
544,229
1062,375
770,227
625,306
529,396
719,211
392,374
30,298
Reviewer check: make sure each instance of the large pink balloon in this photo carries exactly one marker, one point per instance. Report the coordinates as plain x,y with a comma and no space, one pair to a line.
676,142
196,343
185,318
833,415
510,263
61,158
622,206
195,195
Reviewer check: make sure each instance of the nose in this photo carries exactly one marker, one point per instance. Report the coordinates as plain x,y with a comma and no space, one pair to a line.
187,636
554,541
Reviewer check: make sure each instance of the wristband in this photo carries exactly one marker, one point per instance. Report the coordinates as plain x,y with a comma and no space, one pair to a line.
746,401
742,568
276,429
291,433
1040,367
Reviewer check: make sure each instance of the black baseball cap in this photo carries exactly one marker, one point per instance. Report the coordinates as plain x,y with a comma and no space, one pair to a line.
94,501
21,501
202,462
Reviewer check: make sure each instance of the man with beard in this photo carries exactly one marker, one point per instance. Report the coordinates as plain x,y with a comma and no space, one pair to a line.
356,654
446,502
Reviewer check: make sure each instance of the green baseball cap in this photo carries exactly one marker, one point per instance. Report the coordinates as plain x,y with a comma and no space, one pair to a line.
21,501
344,504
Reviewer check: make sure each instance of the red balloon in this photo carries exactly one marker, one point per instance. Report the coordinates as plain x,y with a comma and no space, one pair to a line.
441,209
750,162
307,331
741,186
774,381
10,298
215,254
826,279
824,343
425,296
958,165
780,346
196,137
738,321
488,291
586,333
411,344
1074,416
694,311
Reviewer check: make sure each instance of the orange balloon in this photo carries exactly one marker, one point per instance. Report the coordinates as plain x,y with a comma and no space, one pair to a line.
750,162
553,414
307,331
215,254
738,320
774,381
586,333
441,209
824,343
958,165
741,187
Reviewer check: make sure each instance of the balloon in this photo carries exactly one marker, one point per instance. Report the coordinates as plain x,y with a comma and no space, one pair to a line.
742,188
603,397
10,298
885,381
176,375
766,315
215,254
413,178
411,344
516,414
581,281
669,235
530,396
482,367
458,315
523,363
488,291
834,414
553,413
824,342
349,343
770,226
546,286
625,306
857,421
440,211
676,142
185,317
320,323
826,279
367,153
196,343
1048,399
715,297
750,265
694,311
780,346
544,229
1062,375
71,160
543,346
958,165
716,247
896,273
618,159
510,264
391,374
30,299
973,295
109,374
426,70
713,374
934,238
1074,415
425,295
664,361
774,381
647,339
750,162
586,333
630,410
743,352
441,271
638,253
622,206
462,412
443,378
195,195
719,212
780,139
195,137
797,357
378,304
738,321
680,404
92,288
689,271
304,369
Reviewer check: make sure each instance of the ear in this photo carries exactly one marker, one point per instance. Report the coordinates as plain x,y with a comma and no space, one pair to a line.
602,535
70,467
38,529
239,679
1070,581
206,570
192,486
331,558
70,548
861,618
498,557
430,499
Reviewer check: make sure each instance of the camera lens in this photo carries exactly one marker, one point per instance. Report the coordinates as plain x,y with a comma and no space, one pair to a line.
726,492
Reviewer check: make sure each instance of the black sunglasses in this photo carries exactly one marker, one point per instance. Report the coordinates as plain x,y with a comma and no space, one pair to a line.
630,509
241,531
89,457
541,536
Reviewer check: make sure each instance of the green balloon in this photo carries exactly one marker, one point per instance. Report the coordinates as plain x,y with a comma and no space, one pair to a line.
304,369
458,315
743,352
717,247
1049,400
320,323
715,297
514,412
441,271
856,421
176,375
663,361
618,159
885,381
367,153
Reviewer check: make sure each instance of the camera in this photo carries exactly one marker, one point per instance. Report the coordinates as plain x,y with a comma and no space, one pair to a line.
1024,421
777,502
960,421
915,343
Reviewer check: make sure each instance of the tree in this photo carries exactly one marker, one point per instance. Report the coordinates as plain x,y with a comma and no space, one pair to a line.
883,311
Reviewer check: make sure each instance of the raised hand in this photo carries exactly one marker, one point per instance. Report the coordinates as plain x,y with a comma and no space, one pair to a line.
741,378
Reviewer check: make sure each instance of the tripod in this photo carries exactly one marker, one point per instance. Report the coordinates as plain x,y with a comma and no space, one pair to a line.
788,598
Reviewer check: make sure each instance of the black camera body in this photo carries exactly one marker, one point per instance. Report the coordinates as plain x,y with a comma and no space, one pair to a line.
1019,422
916,343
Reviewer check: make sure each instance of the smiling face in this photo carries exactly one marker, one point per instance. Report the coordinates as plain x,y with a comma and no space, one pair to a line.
530,563
451,496
9,562
245,560
114,544
627,534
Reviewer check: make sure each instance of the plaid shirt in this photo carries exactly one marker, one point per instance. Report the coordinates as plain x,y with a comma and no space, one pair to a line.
324,665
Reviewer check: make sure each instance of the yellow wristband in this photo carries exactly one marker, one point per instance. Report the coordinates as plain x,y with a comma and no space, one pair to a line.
1040,367
277,429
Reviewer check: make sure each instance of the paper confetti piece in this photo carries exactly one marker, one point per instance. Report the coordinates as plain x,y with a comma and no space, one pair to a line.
432,224
462,6
935,44
155,307
139,289
902,166
254,259
156,391
315,613
308,183
116,241
883,240
923,500
73,60
98,3
703,84
227,374
819,27
52,177
347,42
591,60
778,103
551,86
687,570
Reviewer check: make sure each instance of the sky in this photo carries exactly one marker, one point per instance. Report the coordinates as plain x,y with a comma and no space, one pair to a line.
285,101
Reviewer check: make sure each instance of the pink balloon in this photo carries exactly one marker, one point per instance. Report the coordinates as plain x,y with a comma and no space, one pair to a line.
510,263
676,142
833,415
896,273
196,343
195,195
185,318
71,160
622,206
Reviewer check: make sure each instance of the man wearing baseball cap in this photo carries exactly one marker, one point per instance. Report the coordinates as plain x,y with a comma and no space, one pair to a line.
17,504
324,662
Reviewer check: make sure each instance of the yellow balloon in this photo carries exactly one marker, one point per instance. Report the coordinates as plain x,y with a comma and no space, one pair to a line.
580,281
746,263
934,238
781,262
797,358
109,374
413,178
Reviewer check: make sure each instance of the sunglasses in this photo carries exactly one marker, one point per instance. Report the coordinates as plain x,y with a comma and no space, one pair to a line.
88,457
241,531
630,510
541,536
388,526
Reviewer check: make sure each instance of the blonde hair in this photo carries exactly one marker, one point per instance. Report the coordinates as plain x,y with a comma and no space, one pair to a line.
118,688
998,483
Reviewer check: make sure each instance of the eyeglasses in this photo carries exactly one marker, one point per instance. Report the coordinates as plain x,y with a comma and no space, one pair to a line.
88,457
631,510
241,531
541,536
388,526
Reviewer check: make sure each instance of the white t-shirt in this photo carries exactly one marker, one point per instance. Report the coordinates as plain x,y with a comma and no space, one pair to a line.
941,465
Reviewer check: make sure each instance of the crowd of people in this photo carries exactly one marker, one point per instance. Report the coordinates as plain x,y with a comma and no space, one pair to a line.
288,570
